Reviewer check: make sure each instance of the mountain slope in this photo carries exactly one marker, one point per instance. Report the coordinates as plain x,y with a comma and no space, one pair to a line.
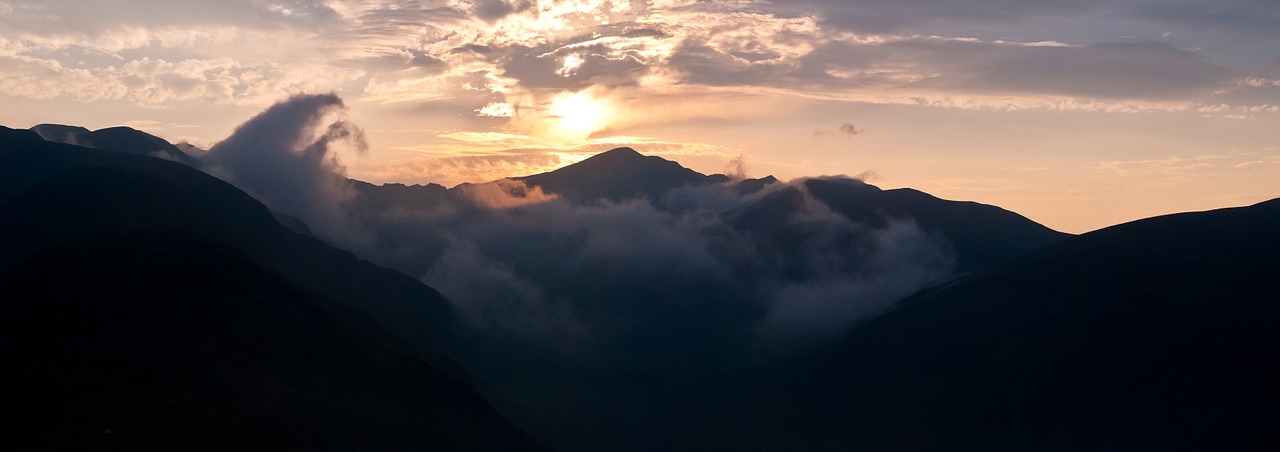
155,339
69,210
1153,335
981,235
55,192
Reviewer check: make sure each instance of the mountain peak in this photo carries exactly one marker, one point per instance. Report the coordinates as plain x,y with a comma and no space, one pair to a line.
622,152
616,175
119,139
59,132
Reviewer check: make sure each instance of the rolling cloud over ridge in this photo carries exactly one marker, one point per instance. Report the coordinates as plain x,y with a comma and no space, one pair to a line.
701,277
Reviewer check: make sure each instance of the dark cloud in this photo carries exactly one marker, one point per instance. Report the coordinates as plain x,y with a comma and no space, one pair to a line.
96,17
883,16
473,48
399,59
850,129
492,10
925,16
1114,70
1122,70
703,64
1233,16
597,65
645,32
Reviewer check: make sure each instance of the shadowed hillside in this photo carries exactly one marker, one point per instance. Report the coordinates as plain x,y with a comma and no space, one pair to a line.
1153,335
206,323
159,340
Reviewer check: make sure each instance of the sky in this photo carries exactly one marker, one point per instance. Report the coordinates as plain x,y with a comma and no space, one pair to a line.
1078,114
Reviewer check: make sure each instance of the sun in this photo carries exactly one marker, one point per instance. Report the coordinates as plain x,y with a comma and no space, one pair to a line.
575,116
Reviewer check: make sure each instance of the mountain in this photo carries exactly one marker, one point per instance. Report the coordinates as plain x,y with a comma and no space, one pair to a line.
206,323
618,175
980,235
56,192
398,196
157,339
118,139
1154,335
60,133
983,235
589,323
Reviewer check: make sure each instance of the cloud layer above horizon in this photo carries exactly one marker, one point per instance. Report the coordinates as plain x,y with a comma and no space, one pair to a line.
512,58
472,90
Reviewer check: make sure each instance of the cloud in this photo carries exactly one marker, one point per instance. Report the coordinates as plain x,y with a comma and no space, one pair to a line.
1185,169
700,279
285,157
1118,70
923,16
849,129
465,55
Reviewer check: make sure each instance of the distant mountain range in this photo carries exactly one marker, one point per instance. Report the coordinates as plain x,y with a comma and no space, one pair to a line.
148,305
982,235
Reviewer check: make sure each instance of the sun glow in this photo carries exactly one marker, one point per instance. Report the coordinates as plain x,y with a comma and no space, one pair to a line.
575,116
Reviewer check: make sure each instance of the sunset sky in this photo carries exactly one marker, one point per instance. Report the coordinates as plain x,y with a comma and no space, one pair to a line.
1076,114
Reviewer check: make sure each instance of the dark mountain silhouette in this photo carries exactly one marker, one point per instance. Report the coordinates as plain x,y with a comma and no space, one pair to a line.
618,175
160,340
750,186
133,246
1153,335
55,192
982,235
391,196
118,139
61,133
1157,334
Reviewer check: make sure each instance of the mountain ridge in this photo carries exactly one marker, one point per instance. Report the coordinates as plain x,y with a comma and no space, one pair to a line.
119,139
1119,339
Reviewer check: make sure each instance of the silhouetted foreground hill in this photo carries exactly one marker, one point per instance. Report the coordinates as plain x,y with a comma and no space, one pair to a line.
53,192
1159,334
157,340
149,299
